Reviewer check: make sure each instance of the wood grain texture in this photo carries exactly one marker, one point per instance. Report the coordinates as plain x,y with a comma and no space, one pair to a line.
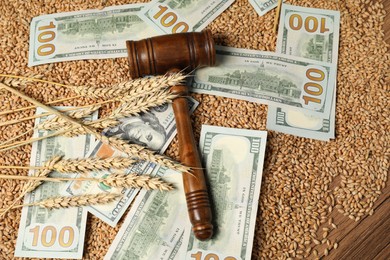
368,238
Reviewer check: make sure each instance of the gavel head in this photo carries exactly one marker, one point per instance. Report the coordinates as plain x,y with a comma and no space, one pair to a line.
160,54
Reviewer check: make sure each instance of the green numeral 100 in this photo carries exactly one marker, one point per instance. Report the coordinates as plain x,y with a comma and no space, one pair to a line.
46,36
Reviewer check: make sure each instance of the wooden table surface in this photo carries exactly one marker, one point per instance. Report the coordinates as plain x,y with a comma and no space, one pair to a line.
370,237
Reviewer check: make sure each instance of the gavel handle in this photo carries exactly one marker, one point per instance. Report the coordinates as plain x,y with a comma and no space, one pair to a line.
195,189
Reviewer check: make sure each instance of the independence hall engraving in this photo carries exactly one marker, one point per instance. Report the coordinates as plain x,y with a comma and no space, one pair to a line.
258,80
98,25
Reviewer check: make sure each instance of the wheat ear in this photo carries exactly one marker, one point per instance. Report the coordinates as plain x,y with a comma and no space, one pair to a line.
143,104
118,180
143,153
31,185
93,164
135,87
85,165
74,201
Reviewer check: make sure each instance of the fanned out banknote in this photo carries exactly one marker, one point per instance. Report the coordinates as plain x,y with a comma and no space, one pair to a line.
172,16
265,77
88,34
100,34
154,227
56,232
314,34
233,159
263,6
163,119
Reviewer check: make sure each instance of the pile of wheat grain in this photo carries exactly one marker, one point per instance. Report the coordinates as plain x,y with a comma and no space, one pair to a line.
306,183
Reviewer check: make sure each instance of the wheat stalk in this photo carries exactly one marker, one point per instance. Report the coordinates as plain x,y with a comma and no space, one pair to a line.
132,180
16,137
277,15
74,201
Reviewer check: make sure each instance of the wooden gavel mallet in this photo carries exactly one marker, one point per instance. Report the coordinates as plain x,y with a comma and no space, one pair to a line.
169,54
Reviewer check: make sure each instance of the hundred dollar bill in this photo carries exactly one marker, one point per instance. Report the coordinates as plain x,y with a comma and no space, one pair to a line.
57,232
265,77
172,16
234,164
89,34
263,6
154,227
155,130
311,33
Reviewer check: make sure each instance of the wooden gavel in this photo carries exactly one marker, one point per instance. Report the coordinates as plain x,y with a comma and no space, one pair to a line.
170,54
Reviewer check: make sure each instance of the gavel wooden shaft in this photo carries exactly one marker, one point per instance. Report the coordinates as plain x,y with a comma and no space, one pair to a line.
195,189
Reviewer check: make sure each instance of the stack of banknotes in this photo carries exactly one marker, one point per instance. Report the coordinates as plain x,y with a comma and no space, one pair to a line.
298,83
157,226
